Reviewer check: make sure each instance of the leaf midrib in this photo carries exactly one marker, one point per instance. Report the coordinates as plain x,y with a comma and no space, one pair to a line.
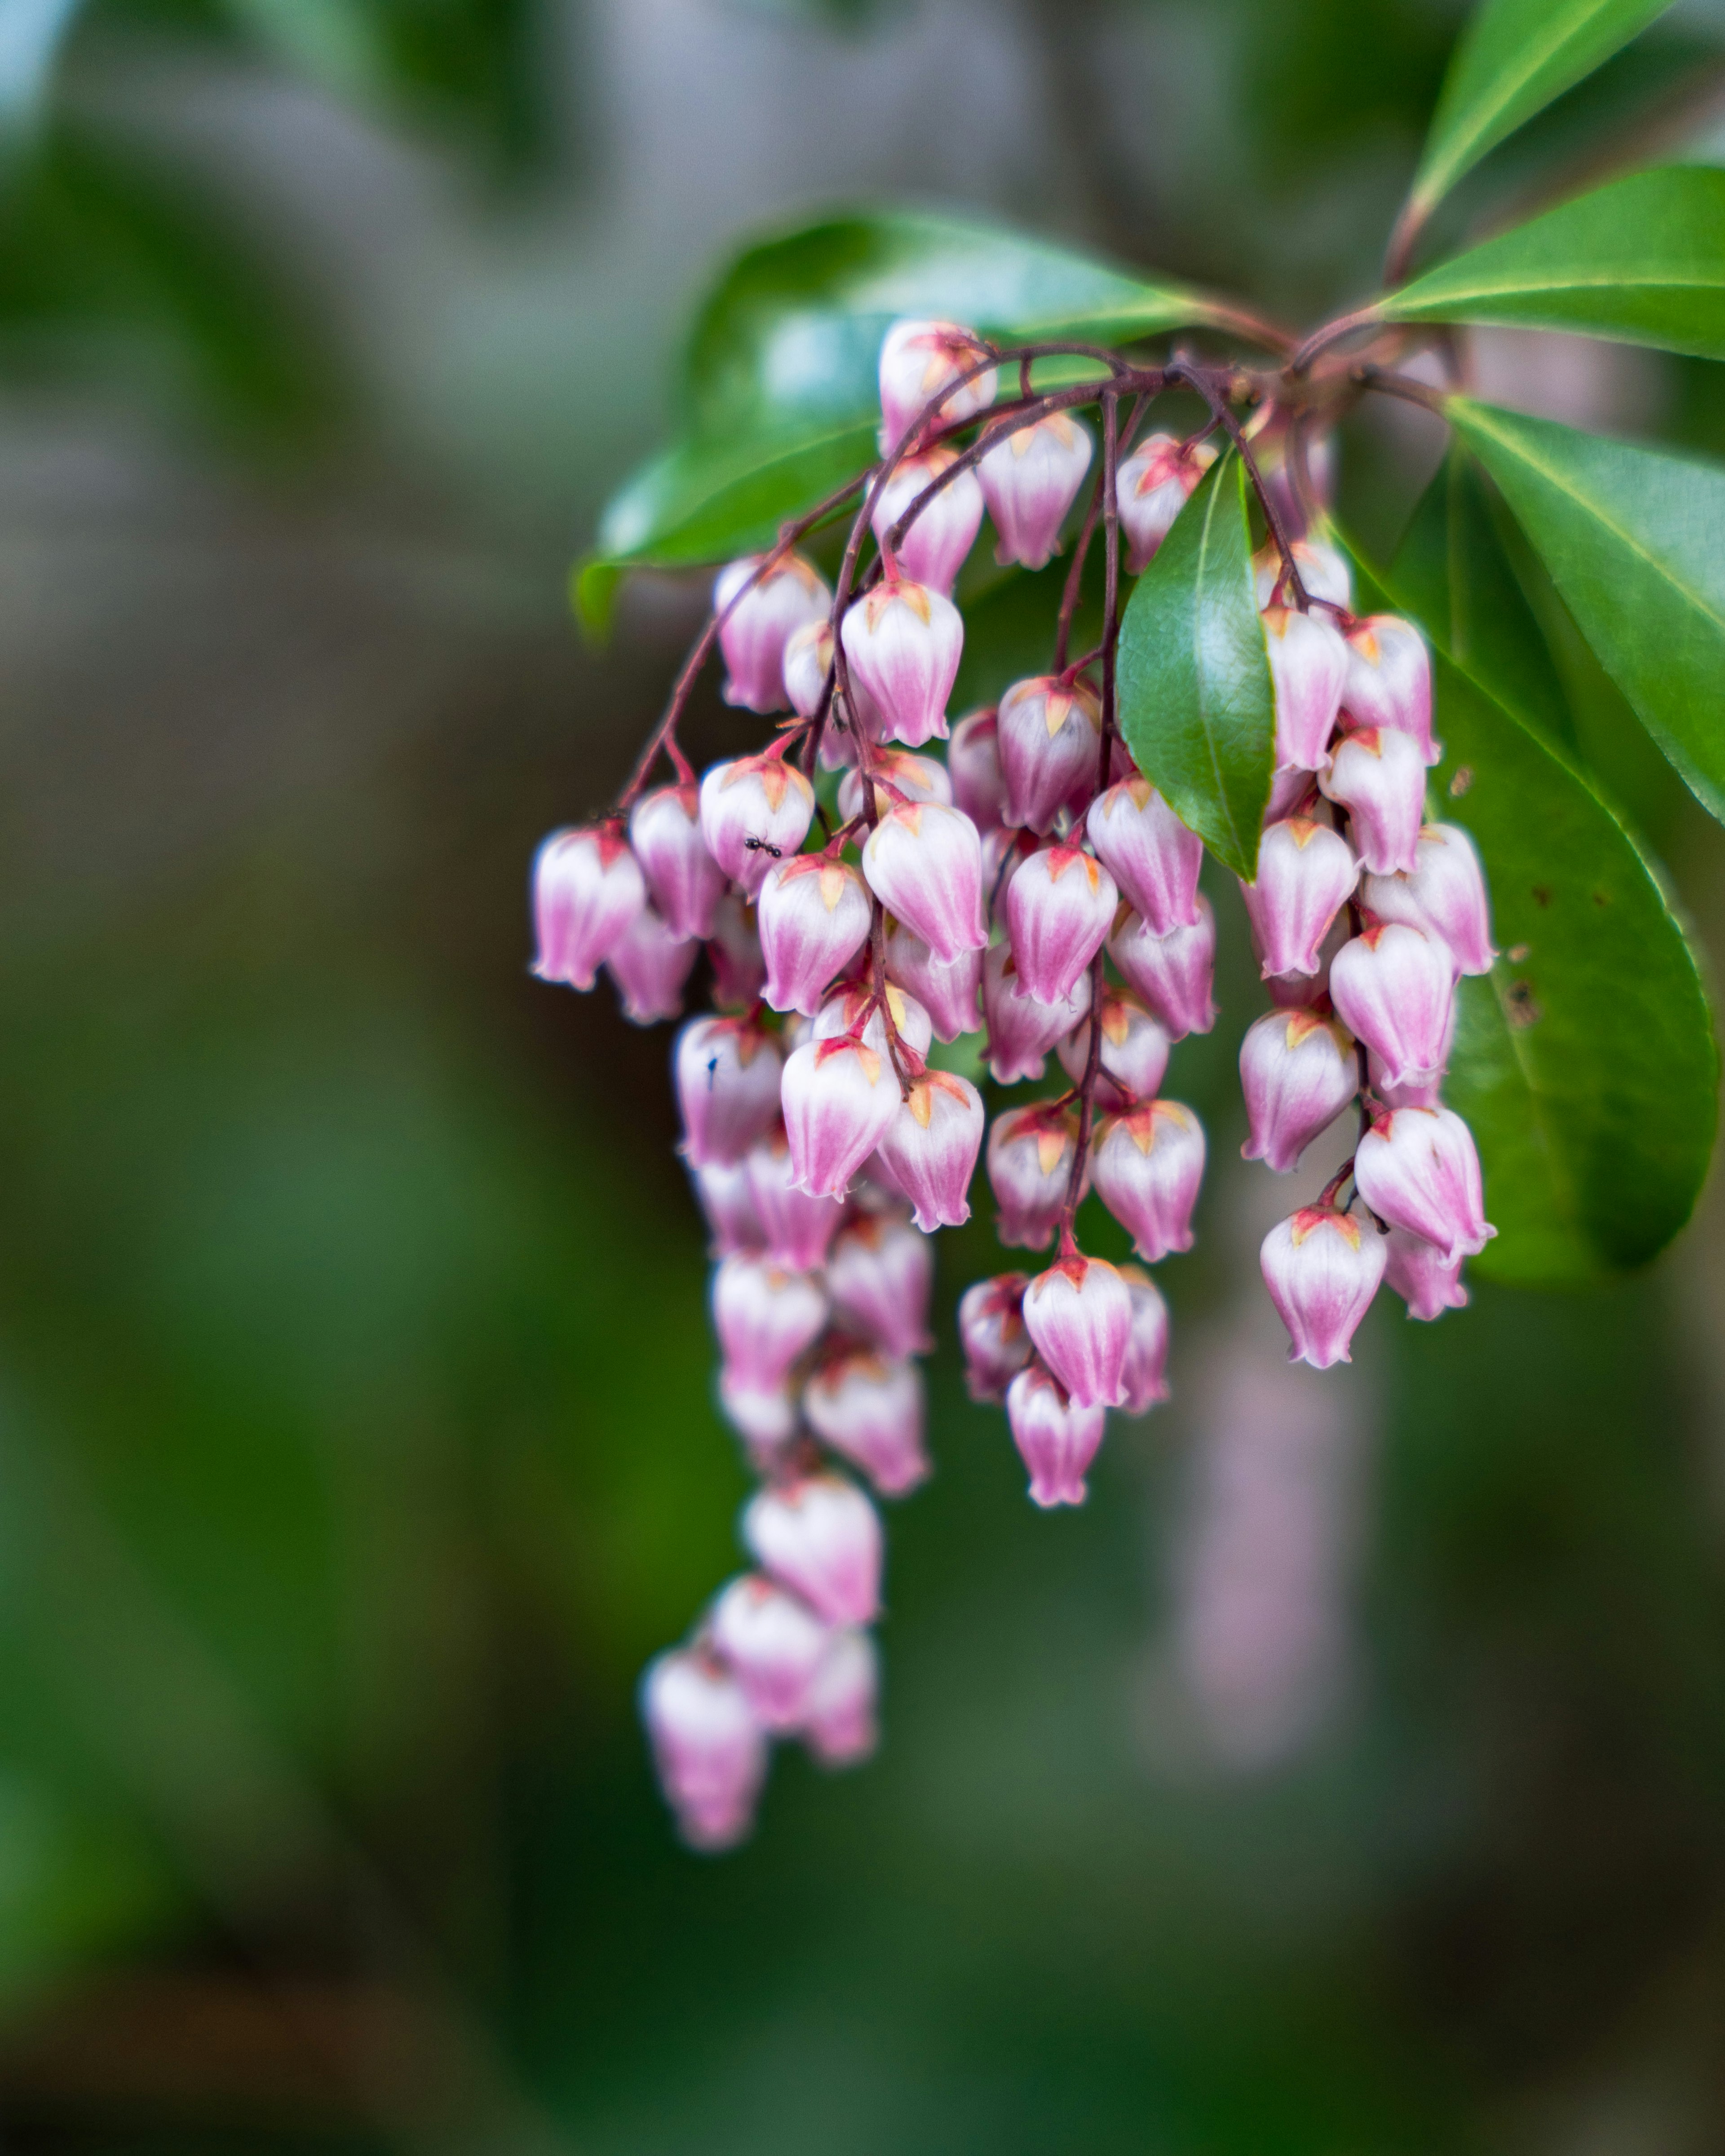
1223,794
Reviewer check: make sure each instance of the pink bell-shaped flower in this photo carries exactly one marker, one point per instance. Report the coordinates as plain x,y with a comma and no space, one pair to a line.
1323,570
807,664
771,1643
814,915
1393,987
1417,1168
795,1228
820,1536
1420,1273
1308,664
1149,852
709,1748
1378,777
1151,488
728,1204
950,990
754,812
879,1275
838,1097
917,359
991,1329
838,1716
588,888
931,1148
1079,1316
765,1317
684,880
1022,1028
903,643
1173,973
739,970
650,962
936,544
1424,1091
924,863
870,1411
1055,1438
1292,793
1444,895
1307,873
1049,733
854,1009
1147,1353
974,766
764,1416
1030,482
1135,1048
1321,1268
787,598
916,777
1059,910
1298,1071
1030,1153
1388,681
1148,1163
727,1075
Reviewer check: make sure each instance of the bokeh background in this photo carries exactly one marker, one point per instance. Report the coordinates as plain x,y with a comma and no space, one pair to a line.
1349,1776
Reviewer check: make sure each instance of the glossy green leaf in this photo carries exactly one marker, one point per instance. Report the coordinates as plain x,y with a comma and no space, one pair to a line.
1634,541
1585,1063
702,500
1514,58
1642,261
1196,704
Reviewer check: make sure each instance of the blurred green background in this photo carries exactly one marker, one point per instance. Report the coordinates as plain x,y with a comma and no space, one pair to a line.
1349,1776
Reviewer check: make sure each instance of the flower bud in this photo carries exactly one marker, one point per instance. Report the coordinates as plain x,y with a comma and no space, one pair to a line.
1420,1273
1030,1153
1306,872
854,1009
728,1204
807,661
820,1536
739,970
790,595
870,1412
764,1416
1392,986
1030,482
1321,1268
1308,664
1323,571
936,545
917,778
931,1148
1388,681
950,991
924,863
1298,1072
1147,1352
754,812
839,1096
650,964
795,1228
709,1749
1059,910
1174,974
771,1643
1148,1163
991,1328
814,915
684,880
588,888
728,1075
1079,1317
1444,895
1417,1168
1378,778
917,359
1151,488
1049,737
838,1724
1022,1028
903,643
973,767
1149,852
1056,1440
1135,1048
879,1275
765,1318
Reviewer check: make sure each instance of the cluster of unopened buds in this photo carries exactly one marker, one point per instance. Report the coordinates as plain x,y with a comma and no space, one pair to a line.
990,892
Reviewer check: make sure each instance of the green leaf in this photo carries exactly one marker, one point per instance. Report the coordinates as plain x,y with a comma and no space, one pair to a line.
1196,704
1585,1063
1642,261
1514,58
1634,541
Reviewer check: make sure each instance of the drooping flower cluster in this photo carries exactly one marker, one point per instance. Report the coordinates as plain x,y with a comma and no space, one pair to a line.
1032,887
